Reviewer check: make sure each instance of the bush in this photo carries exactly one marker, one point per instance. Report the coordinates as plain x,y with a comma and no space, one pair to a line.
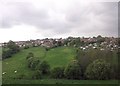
73,70
57,73
32,63
37,74
30,55
12,49
7,54
29,61
47,49
21,76
44,67
15,48
26,47
99,70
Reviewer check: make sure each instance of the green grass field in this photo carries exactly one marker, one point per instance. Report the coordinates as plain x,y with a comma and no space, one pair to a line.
59,56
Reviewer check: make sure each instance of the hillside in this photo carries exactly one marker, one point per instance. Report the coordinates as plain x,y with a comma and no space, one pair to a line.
55,57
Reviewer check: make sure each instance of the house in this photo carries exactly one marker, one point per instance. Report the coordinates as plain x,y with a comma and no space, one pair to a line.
84,39
47,43
94,48
102,49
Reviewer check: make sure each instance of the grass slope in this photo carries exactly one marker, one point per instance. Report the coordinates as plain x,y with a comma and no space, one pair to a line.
59,56
55,57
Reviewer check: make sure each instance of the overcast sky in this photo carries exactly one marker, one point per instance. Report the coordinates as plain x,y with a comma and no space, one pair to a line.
34,19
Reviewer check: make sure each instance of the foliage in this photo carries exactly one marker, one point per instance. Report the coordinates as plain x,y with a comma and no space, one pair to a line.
73,70
59,43
65,55
26,47
32,63
37,74
98,70
21,76
57,72
7,54
35,45
88,56
47,49
83,59
44,67
12,49
11,45
100,39
30,54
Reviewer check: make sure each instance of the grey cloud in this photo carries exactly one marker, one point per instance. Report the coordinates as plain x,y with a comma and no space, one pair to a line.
23,13
26,13
95,18
99,17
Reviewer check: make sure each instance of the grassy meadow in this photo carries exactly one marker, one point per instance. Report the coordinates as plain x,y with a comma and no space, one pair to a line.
56,57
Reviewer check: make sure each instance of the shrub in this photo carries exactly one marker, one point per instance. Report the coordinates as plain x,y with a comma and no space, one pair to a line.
37,74
47,49
12,49
44,67
57,72
73,70
30,55
29,61
15,48
26,47
32,63
7,54
21,76
99,70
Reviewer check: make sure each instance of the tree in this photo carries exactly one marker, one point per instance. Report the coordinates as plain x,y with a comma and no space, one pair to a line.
73,70
66,41
47,49
100,39
59,43
32,63
12,48
29,61
7,54
26,47
57,72
99,70
78,42
11,45
44,67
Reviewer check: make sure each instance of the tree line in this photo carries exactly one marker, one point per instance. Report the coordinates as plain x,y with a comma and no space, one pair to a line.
10,49
99,69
